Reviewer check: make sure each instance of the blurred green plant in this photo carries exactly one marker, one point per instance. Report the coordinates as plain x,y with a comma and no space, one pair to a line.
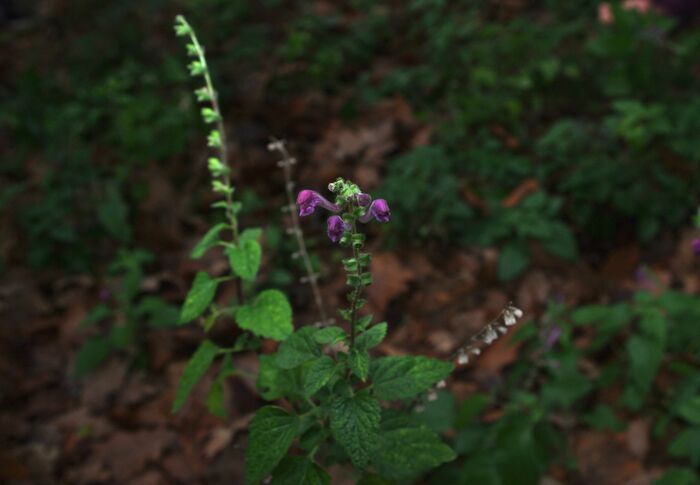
118,324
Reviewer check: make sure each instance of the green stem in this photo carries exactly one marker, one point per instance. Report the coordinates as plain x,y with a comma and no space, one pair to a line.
223,149
357,289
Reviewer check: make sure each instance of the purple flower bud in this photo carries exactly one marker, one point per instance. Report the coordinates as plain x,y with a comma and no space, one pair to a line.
379,210
307,200
336,228
363,200
696,246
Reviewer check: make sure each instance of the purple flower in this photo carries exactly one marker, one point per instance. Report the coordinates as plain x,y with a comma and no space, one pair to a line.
363,200
696,246
379,210
336,228
307,200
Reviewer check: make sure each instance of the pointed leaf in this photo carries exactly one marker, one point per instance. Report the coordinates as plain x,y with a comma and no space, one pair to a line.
372,337
401,377
329,335
359,362
209,240
93,353
195,369
318,374
199,297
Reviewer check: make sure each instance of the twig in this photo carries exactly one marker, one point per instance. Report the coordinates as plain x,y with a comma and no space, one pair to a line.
311,277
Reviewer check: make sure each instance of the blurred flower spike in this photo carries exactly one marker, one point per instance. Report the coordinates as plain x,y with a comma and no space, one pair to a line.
696,246
355,205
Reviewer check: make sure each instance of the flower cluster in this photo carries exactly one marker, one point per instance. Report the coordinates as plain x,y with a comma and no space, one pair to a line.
349,198
489,333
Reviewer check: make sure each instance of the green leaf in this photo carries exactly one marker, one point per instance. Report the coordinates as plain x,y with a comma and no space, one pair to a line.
645,356
216,402
329,335
559,241
690,410
299,470
250,234
354,422
274,382
514,259
195,369
199,297
157,312
687,444
245,258
318,375
93,353
408,452
96,315
272,432
372,337
401,377
300,347
678,476
210,239
359,362
269,316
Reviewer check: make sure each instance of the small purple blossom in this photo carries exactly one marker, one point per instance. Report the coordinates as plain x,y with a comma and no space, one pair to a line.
336,228
378,210
696,246
307,200
552,336
363,200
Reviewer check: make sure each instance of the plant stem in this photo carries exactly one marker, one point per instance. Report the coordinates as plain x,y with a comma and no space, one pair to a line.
358,288
286,164
223,148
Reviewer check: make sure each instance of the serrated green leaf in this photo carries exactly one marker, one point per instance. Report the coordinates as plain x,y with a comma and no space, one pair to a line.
208,241
245,258
195,369
354,422
300,347
273,382
364,321
199,297
401,377
299,470
408,452
272,432
93,353
372,337
269,316
329,335
318,374
358,359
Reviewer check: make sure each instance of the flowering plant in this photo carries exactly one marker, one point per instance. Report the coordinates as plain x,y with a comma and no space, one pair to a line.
331,393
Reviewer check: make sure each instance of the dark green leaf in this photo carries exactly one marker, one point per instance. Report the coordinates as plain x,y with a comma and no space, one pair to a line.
300,347
318,374
93,353
401,377
358,360
354,422
514,259
329,335
272,432
408,452
195,369
299,470
371,337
